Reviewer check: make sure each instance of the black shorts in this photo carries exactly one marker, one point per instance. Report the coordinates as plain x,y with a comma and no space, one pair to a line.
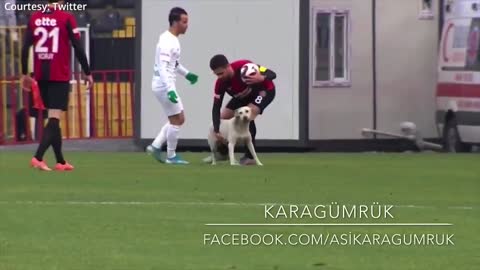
55,94
259,97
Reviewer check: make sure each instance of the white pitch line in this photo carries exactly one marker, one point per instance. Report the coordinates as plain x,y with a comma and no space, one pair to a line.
329,224
126,203
461,207
236,204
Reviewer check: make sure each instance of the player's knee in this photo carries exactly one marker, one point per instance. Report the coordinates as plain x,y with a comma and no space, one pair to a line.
227,114
54,113
177,120
255,111
181,120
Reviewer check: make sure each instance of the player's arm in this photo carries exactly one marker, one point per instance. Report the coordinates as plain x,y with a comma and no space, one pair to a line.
74,36
164,55
268,74
27,43
191,77
217,105
263,75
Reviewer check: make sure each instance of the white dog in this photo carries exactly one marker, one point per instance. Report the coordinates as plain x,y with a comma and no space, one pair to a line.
234,130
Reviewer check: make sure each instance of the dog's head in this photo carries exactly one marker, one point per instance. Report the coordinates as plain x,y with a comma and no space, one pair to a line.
243,114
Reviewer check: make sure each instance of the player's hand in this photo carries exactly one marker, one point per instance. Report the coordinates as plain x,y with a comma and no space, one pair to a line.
254,79
172,96
26,82
89,81
220,138
192,77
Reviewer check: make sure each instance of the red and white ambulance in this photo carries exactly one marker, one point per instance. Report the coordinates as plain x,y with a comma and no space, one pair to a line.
458,89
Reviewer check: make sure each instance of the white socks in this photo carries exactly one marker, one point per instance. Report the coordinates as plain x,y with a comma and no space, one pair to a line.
168,133
161,137
172,140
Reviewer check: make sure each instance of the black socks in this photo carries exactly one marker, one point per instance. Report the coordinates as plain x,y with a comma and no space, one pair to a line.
52,135
253,132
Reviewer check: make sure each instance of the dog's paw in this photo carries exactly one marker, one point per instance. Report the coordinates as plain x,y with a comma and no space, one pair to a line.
259,164
234,163
213,163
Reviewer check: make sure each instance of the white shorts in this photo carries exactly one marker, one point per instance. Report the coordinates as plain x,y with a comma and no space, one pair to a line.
169,107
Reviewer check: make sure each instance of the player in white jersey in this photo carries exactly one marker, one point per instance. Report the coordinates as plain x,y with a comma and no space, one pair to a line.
167,64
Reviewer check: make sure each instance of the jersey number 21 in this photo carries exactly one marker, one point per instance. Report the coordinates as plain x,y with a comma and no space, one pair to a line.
44,34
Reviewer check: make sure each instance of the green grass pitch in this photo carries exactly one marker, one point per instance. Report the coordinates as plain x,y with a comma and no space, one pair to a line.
126,211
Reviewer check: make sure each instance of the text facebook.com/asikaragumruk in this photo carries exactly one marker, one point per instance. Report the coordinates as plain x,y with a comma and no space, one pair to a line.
328,239
332,212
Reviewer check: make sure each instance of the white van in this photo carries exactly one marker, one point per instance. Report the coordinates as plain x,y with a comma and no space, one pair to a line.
458,88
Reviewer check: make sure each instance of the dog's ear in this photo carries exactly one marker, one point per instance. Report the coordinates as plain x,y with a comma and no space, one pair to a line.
237,115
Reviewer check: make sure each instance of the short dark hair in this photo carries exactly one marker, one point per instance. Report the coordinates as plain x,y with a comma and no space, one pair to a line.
217,61
53,1
175,14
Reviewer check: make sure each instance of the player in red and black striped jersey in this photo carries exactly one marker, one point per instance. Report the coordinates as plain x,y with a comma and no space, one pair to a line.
52,33
257,92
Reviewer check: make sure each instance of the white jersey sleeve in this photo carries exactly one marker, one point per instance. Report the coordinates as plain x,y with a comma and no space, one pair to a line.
166,57
182,70
164,52
165,81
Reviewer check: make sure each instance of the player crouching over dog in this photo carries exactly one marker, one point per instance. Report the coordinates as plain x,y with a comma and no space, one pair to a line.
234,130
250,85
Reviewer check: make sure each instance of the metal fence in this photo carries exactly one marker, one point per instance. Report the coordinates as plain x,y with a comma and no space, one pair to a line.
105,111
